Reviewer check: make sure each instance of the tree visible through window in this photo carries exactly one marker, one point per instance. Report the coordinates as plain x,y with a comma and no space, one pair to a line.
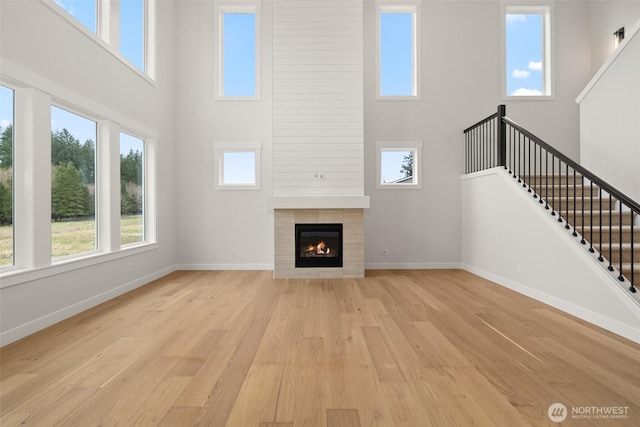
73,198
6,177
131,189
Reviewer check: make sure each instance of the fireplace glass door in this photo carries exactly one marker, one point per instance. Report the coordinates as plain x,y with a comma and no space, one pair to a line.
318,245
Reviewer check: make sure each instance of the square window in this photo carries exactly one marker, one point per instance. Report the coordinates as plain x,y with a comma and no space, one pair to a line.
398,61
238,56
238,166
398,164
527,52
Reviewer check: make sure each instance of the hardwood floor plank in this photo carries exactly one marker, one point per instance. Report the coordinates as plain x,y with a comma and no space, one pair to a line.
343,418
239,348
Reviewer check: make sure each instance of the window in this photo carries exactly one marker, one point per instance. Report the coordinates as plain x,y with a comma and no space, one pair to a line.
238,56
527,51
132,189
132,30
6,177
238,165
398,62
398,164
85,11
73,196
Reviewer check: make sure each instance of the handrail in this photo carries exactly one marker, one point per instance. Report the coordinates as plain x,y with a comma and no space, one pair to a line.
578,168
606,217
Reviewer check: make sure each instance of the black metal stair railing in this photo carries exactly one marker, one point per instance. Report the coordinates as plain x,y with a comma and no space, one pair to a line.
605,219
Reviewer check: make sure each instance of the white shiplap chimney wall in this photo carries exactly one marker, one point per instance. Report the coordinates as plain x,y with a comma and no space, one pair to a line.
318,118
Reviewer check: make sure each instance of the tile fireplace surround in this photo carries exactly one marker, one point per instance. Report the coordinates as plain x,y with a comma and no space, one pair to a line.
352,220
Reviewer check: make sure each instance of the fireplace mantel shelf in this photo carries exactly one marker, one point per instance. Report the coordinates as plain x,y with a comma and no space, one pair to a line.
320,202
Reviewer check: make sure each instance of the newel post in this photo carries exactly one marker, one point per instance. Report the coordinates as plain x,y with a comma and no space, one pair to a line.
502,136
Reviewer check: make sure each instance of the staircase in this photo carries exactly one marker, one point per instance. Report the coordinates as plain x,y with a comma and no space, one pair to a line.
606,221
594,217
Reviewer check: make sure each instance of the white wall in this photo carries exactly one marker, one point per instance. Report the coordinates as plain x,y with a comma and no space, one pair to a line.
609,119
42,50
606,17
213,222
509,238
317,98
460,50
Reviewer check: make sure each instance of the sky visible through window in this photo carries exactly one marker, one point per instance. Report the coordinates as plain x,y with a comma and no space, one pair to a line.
391,165
396,54
132,31
524,53
83,10
239,50
6,107
239,167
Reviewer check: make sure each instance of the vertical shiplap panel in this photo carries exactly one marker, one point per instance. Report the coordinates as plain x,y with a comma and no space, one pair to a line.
318,97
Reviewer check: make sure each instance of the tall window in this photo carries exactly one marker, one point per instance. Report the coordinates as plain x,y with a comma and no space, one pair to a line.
398,62
132,189
6,177
73,198
132,30
527,52
84,11
238,52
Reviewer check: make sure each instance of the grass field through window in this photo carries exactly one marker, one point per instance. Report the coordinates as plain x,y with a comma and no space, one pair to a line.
73,237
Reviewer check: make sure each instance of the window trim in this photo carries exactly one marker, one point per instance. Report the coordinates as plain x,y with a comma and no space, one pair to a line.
244,7
220,148
107,40
412,7
546,9
416,147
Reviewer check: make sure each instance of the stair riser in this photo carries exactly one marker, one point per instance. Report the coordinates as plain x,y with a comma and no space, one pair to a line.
577,204
561,190
597,219
604,236
626,255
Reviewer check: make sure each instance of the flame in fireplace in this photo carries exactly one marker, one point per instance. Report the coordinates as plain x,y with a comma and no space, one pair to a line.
320,248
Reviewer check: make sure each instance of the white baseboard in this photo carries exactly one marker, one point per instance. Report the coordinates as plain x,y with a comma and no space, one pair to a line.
597,319
412,266
36,325
259,267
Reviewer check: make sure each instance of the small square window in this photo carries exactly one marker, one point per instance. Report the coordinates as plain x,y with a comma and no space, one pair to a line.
238,166
398,164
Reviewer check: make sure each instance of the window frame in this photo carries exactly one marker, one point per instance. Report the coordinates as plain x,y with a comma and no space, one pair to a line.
414,146
59,104
250,7
412,7
220,148
107,34
546,9
145,201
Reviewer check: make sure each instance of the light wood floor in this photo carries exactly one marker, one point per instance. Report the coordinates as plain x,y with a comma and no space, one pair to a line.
398,348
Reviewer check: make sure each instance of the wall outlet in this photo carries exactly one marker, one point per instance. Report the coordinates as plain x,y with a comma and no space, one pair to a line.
232,252
130,266
385,252
520,268
395,251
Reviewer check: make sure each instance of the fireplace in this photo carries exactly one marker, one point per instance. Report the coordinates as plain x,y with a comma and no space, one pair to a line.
318,245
